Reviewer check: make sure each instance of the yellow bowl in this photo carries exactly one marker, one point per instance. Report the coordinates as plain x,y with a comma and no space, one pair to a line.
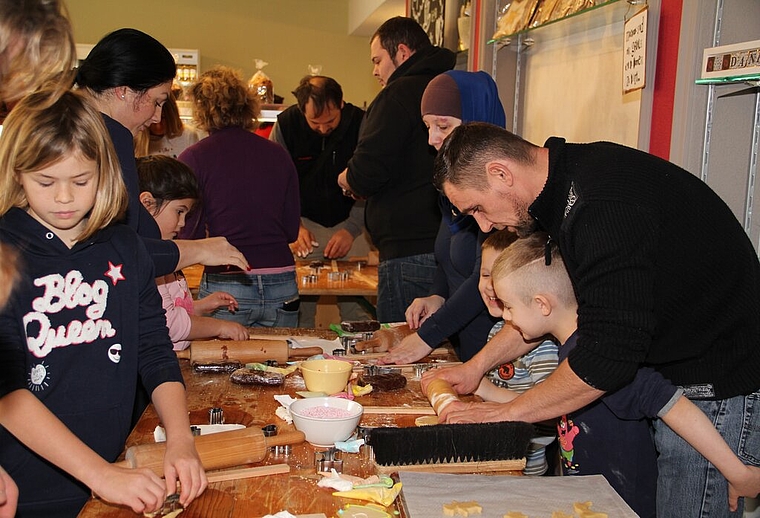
328,376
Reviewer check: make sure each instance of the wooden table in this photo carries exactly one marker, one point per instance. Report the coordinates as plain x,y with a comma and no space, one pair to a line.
336,278
333,279
361,279
297,491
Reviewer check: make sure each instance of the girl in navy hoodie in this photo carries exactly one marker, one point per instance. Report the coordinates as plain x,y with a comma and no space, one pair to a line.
84,320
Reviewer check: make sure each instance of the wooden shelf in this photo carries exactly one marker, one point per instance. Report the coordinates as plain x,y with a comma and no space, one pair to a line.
586,20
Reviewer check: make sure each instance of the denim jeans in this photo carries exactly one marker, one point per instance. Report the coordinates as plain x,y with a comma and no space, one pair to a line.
687,485
263,300
400,281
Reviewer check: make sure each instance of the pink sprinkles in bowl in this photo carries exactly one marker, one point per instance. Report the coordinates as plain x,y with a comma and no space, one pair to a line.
325,412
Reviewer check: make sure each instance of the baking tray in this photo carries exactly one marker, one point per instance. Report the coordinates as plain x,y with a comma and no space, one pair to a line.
424,494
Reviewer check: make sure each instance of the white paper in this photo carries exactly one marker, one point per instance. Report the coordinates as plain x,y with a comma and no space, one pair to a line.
537,497
328,346
159,434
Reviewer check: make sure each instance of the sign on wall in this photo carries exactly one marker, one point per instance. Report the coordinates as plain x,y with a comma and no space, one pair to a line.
735,60
635,48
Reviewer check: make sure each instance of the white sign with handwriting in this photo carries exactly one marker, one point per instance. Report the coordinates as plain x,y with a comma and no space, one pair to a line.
635,48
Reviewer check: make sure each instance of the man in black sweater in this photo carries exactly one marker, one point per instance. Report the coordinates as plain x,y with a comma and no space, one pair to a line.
393,165
664,275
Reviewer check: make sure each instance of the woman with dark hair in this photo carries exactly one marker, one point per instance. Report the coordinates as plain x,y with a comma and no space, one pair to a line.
128,75
250,195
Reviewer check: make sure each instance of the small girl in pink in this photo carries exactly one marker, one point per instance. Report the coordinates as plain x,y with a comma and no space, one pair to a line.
169,190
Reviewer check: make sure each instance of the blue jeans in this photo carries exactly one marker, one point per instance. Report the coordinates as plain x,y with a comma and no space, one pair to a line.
687,485
263,300
400,281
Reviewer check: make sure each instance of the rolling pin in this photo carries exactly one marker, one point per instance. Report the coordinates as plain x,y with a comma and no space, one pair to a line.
440,394
217,451
244,351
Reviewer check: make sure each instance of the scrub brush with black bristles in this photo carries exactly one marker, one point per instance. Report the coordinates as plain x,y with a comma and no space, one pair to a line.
451,443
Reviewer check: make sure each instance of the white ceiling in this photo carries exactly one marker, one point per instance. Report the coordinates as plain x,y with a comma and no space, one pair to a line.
365,16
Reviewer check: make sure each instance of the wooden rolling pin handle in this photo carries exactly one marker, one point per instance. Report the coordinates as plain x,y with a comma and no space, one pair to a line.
216,451
298,352
283,438
301,352
244,351
440,394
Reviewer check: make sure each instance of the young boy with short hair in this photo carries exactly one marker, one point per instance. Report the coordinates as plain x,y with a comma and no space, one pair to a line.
507,381
611,435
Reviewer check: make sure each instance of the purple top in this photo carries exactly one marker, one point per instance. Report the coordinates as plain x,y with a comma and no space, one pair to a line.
249,190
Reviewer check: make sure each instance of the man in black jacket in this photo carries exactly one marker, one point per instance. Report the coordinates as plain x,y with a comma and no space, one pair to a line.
393,164
320,132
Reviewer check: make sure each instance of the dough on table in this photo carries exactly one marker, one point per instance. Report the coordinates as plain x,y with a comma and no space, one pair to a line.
462,508
583,509
426,420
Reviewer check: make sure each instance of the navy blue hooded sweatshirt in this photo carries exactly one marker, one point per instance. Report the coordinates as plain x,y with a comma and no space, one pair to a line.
79,327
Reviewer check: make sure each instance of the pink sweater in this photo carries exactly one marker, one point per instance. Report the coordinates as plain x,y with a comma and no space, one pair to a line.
178,304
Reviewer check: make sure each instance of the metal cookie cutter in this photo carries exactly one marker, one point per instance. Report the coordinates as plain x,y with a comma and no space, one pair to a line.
349,341
338,276
328,460
373,370
171,504
420,369
363,432
270,430
216,416
309,279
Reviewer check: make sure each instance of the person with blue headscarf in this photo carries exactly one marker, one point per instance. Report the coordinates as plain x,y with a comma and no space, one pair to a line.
454,308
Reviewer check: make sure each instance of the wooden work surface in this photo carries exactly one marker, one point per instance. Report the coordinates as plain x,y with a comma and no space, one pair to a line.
361,281
297,491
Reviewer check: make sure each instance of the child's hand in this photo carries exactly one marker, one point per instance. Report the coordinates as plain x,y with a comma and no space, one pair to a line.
232,330
421,308
411,349
181,463
216,300
748,485
138,488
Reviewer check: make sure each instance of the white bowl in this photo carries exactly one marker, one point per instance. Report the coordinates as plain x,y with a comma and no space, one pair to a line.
325,431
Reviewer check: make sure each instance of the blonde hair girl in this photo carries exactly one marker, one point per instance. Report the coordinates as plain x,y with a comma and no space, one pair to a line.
40,132
85,322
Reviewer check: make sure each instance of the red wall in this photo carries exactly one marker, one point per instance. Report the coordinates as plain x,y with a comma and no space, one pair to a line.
665,77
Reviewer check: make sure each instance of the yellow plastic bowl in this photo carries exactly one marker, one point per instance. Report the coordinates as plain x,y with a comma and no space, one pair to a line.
328,376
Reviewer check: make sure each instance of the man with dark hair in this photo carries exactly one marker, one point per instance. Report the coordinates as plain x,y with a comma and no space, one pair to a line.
320,132
393,165
665,277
